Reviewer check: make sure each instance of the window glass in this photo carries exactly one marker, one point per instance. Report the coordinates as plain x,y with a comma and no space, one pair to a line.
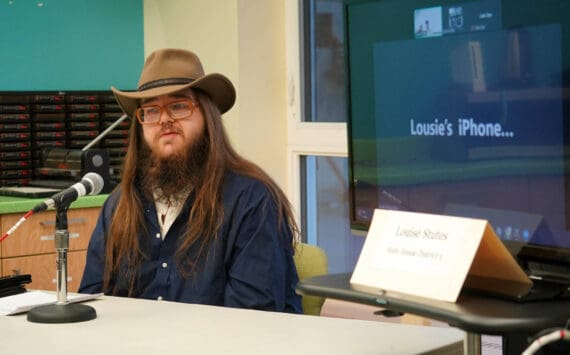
325,92
326,221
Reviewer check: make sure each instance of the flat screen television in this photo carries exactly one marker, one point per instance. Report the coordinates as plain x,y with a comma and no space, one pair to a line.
462,108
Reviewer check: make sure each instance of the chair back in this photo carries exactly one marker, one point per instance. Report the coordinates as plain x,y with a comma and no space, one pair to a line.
310,261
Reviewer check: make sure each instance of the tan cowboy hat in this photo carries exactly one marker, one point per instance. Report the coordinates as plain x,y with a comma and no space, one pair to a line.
166,71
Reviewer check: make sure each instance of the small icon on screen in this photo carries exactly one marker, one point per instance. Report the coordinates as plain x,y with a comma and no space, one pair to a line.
456,18
428,22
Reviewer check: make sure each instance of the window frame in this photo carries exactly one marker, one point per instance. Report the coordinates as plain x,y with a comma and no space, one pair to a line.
304,138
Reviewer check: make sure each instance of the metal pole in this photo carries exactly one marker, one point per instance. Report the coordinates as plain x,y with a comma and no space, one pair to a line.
472,344
61,246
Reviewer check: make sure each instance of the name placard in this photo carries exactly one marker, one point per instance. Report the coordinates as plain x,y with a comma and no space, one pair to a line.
430,255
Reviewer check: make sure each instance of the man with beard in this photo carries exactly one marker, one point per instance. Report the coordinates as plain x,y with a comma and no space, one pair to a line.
191,221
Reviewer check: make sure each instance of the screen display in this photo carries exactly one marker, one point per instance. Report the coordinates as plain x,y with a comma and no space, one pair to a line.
461,108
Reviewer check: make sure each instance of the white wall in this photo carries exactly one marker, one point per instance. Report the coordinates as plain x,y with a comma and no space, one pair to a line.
244,40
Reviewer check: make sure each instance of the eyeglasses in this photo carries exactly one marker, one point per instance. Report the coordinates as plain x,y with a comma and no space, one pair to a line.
176,110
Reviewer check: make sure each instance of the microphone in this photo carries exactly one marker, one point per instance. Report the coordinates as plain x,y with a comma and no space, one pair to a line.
91,184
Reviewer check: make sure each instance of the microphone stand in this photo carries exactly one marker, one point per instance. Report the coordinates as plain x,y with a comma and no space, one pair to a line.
61,311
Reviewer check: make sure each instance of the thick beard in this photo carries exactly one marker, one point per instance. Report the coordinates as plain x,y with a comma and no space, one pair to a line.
173,175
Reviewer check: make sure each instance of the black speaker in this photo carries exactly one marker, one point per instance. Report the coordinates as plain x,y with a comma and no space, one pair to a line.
97,161
61,168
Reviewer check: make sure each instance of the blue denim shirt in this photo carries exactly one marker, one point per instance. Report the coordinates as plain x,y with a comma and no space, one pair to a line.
249,266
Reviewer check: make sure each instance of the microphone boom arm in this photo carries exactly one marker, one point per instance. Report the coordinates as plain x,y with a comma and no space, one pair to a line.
105,132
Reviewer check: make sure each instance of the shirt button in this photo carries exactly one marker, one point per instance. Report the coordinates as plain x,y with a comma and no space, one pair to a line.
159,298
157,235
164,265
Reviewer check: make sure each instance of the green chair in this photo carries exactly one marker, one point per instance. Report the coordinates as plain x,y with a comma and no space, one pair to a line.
310,261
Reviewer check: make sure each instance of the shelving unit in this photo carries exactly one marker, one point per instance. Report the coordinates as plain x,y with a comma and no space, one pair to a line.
31,122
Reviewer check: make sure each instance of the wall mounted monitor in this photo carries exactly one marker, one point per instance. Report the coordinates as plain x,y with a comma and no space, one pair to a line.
463,108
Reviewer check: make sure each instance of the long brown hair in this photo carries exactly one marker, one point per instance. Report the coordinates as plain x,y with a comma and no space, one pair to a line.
122,242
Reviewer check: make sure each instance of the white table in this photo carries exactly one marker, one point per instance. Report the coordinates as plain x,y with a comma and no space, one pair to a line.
135,326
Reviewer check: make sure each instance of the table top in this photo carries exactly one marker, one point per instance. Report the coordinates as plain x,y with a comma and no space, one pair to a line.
472,313
136,326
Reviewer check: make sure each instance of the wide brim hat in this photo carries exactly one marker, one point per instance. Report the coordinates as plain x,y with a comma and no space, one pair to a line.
167,71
